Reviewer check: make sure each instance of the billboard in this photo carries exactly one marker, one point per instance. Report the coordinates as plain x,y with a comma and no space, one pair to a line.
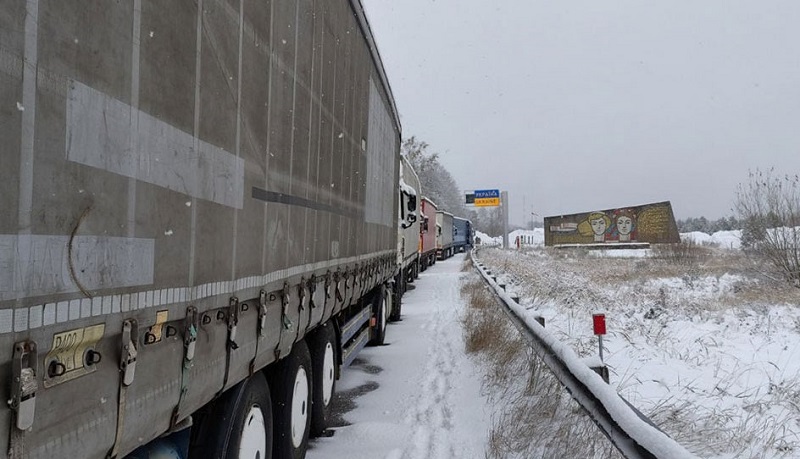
651,223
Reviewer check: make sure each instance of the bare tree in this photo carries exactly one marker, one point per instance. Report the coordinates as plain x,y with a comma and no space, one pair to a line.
768,206
436,181
490,221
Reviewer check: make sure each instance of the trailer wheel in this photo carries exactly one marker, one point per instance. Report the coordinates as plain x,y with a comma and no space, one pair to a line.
397,297
381,307
238,425
397,304
323,363
291,383
409,274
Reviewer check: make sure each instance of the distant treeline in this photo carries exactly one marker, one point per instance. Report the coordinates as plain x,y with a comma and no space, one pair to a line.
708,226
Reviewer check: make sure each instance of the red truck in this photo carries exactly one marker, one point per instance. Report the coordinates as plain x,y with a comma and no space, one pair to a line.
427,234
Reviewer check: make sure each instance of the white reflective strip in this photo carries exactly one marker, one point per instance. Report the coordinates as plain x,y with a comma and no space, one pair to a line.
74,310
101,134
106,305
97,306
86,308
62,311
20,320
6,320
37,316
49,314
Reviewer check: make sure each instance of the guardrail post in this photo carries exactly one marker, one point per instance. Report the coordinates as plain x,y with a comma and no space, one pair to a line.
602,371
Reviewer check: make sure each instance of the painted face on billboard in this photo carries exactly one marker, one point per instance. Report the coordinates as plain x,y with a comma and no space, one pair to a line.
599,226
625,222
624,225
595,225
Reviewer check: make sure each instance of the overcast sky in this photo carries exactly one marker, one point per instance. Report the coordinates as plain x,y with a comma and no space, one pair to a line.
581,105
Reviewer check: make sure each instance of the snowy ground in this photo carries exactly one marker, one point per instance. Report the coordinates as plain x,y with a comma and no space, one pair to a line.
707,349
419,396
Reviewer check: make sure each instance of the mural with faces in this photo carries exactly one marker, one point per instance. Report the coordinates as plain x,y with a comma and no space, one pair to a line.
615,226
648,223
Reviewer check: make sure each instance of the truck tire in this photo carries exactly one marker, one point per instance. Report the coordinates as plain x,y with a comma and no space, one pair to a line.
291,383
397,297
238,425
324,361
397,305
381,305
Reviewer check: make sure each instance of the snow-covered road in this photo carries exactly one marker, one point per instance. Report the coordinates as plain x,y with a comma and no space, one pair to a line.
419,396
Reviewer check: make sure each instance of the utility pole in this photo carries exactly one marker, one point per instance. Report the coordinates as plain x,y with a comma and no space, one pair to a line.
504,203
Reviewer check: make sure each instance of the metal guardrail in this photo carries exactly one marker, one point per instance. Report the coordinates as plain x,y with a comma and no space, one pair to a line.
633,434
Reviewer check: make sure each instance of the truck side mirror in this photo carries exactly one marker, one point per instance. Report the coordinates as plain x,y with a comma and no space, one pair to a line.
412,204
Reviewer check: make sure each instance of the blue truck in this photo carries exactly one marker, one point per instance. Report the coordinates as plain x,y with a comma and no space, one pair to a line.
462,234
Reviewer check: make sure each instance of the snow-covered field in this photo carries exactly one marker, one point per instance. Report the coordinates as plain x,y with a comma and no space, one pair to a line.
706,348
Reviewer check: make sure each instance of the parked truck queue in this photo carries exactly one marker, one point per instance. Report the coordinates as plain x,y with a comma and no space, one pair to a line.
198,231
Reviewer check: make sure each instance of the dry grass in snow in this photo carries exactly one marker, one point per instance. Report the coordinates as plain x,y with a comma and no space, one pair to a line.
534,416
698,341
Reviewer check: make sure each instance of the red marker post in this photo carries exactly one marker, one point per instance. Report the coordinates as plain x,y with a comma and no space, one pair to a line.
599,322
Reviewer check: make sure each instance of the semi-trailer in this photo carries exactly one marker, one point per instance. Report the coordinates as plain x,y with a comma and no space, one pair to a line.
199,222
462,234
427,236
444,235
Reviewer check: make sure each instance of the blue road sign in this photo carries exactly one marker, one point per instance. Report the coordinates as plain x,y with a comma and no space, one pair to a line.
487,194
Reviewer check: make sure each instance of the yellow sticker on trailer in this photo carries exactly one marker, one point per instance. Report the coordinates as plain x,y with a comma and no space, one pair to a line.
157,329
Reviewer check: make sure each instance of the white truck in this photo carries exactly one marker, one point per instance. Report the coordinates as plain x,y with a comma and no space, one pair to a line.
408,234
444,235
